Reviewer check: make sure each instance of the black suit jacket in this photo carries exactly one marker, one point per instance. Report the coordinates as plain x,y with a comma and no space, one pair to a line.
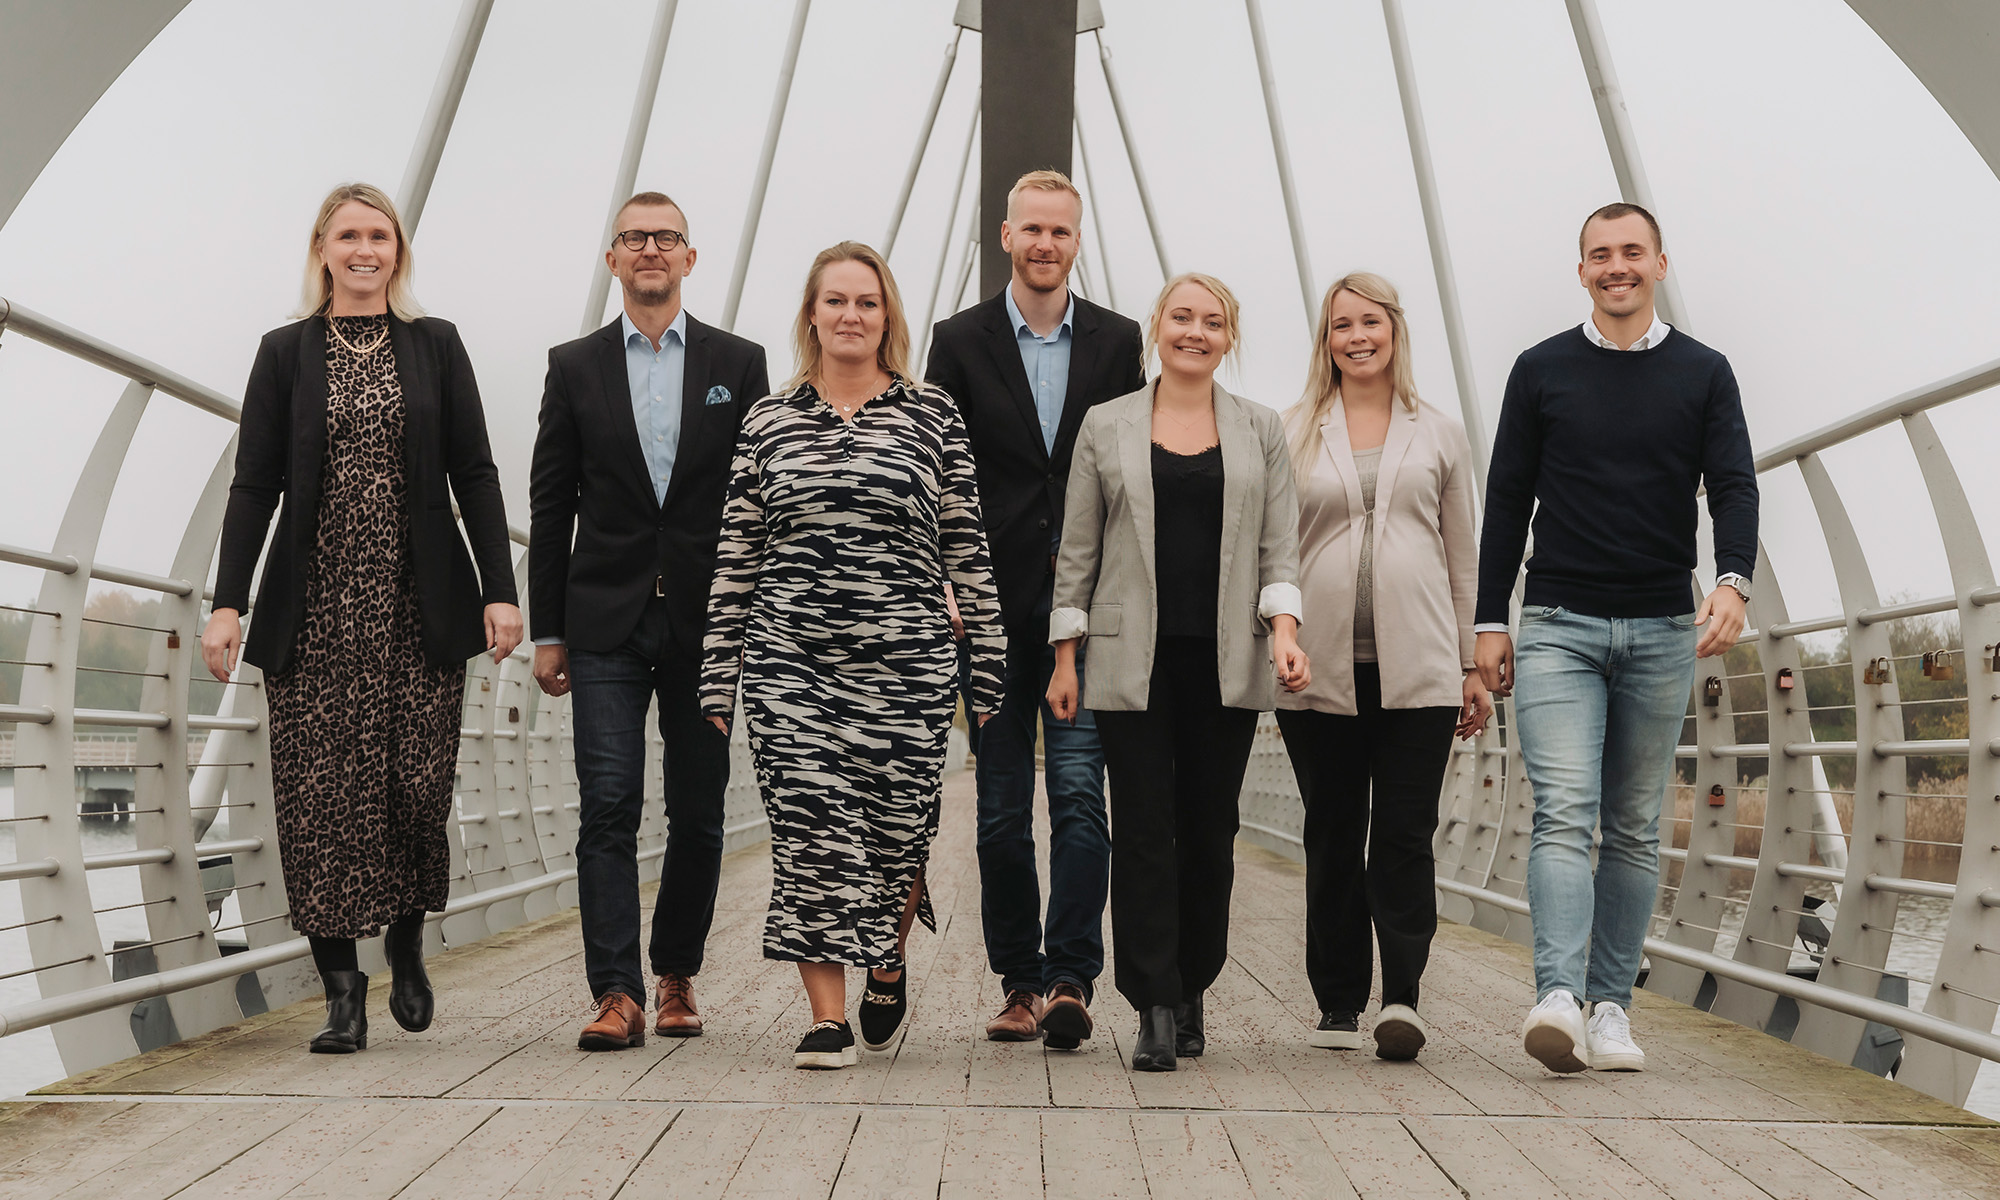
597,538
281,451
975,358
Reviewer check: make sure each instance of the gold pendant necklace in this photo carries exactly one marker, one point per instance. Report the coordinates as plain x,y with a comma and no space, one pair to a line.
358,351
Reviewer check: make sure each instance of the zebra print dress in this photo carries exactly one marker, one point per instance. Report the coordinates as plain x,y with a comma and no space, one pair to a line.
828,602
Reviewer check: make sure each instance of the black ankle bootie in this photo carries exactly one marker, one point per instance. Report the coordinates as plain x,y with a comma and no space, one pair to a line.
346,1028
1154,1051
1189,1038
410,997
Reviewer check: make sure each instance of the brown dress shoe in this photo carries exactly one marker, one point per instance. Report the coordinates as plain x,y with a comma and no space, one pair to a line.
1065,1020
674,1013
1016,1019
619,1024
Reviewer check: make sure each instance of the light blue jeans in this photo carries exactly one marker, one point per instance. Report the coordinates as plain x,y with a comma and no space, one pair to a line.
1598,706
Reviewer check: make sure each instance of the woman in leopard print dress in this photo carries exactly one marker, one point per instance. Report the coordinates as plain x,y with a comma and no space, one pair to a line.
360,417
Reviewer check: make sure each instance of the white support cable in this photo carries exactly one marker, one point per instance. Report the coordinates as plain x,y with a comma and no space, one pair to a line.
1447,279
1619,140
1303,257
1132,154
740,270
436,128
1096,217
628,162
923,143
965,264
950,228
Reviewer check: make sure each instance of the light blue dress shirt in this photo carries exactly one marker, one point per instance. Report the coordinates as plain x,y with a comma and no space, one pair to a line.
1046,360
655,379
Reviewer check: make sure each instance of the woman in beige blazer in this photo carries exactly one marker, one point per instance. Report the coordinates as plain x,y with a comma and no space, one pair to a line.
1388,543
1179,565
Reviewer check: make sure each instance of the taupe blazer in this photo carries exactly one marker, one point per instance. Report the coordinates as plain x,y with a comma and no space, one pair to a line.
1105,584
1426,563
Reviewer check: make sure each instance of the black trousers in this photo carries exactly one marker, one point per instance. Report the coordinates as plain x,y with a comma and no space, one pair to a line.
1176,771
1403,752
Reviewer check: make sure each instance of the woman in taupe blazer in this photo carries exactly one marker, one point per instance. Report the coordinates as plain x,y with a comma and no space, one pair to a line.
1189,633
1388,544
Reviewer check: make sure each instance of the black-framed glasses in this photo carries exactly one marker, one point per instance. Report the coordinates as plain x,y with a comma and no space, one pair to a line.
668,240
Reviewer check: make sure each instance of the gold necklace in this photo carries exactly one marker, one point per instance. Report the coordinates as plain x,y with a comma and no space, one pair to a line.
358,351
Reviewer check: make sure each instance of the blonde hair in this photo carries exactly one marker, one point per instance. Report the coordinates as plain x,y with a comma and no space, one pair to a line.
318,290
1043,181
1232,312
1323,374
892,356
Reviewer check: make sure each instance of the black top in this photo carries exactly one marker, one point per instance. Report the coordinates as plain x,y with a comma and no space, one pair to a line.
1022,483
1614,445
1187,539
598,537
281,453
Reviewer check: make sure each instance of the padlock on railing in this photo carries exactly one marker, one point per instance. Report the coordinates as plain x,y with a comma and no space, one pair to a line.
1716,797
1711,692
1785,681
1937,667
1877,671
1994,666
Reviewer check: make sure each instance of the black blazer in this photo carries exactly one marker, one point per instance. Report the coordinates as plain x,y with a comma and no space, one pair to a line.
975,358
281,449
590,484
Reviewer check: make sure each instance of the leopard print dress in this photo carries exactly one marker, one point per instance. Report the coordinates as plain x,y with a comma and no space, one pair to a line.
364,731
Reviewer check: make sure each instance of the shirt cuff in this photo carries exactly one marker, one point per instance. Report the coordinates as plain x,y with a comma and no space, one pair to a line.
1067,623
548,641
1281,599
1490,629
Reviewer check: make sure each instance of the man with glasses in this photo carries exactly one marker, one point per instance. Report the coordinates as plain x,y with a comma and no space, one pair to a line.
638,427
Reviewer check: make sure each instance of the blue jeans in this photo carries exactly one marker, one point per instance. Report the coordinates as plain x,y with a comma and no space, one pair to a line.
1598,708
1020,948
609,695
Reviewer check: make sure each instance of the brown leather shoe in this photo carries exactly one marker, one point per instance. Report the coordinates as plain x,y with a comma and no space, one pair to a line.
1016,1020
674,1013
620,1024
1066,1019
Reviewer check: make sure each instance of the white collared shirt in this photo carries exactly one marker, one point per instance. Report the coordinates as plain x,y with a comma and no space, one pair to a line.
1654,335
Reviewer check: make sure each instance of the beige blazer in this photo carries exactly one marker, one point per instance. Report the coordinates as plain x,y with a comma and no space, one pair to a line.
1105,588
1426,562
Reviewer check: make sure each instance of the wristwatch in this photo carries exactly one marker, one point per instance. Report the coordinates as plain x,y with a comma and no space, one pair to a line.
1738,582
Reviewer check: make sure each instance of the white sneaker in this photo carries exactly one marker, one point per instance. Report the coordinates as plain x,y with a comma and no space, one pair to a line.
1610,1040
1553,1034
1399,1033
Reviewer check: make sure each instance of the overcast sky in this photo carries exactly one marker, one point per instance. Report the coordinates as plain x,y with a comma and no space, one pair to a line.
1821,210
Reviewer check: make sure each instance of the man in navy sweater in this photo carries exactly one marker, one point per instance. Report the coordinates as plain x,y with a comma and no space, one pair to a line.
1607,433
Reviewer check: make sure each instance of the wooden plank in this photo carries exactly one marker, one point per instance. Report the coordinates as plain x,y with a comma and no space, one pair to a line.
383,1166
797,1156
1869,1166
1188,1157
1090,1156
896,1154
221,1134
1968,1160
31,1128
323,1137
1676,1165
697,1156
57,1167
593,1159
992,1155
1762,1159
494,1157
1284,1158
1577,1162
1479,1160
1383,1161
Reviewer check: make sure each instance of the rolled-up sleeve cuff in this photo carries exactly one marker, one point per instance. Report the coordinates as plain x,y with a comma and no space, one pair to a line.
1281,599
548,641
1067,623
1479,629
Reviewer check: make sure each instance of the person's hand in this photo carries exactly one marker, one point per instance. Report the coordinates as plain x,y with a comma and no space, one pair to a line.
1062,691
951,610
1722,614
1294,668
503,629
551,669
1477,708
721,726
983,718
1494,655
221,641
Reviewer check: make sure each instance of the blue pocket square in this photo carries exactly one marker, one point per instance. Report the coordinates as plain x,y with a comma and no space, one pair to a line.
719,395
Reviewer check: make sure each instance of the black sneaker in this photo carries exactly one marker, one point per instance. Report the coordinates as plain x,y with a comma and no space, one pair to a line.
827,1046
883,1007
1337,1031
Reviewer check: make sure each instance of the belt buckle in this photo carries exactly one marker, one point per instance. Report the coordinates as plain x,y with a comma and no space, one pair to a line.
660,585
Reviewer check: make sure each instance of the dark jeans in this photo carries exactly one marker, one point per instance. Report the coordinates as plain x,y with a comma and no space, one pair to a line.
1404,752
609,694
1023,950
1176,773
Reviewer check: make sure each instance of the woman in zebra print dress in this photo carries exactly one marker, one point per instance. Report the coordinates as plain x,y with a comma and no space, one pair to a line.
852,502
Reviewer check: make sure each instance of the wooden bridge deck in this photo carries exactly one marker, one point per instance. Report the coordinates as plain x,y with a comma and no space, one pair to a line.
495,1100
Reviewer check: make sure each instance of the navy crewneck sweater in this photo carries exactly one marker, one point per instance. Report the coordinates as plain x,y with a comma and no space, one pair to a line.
1613,445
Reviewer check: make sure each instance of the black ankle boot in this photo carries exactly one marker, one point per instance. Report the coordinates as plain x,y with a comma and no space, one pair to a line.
346,1028
410,998
1154,1051
1189,1039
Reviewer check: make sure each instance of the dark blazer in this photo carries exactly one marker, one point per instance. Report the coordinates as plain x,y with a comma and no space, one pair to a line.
975,358
281,450
590,484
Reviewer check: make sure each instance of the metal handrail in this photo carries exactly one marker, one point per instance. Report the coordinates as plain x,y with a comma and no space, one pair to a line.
1951,387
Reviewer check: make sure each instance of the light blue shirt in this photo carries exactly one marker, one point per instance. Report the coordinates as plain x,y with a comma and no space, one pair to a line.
1046,359
655,379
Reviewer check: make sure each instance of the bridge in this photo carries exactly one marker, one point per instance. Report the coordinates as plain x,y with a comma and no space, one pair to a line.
1831,892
